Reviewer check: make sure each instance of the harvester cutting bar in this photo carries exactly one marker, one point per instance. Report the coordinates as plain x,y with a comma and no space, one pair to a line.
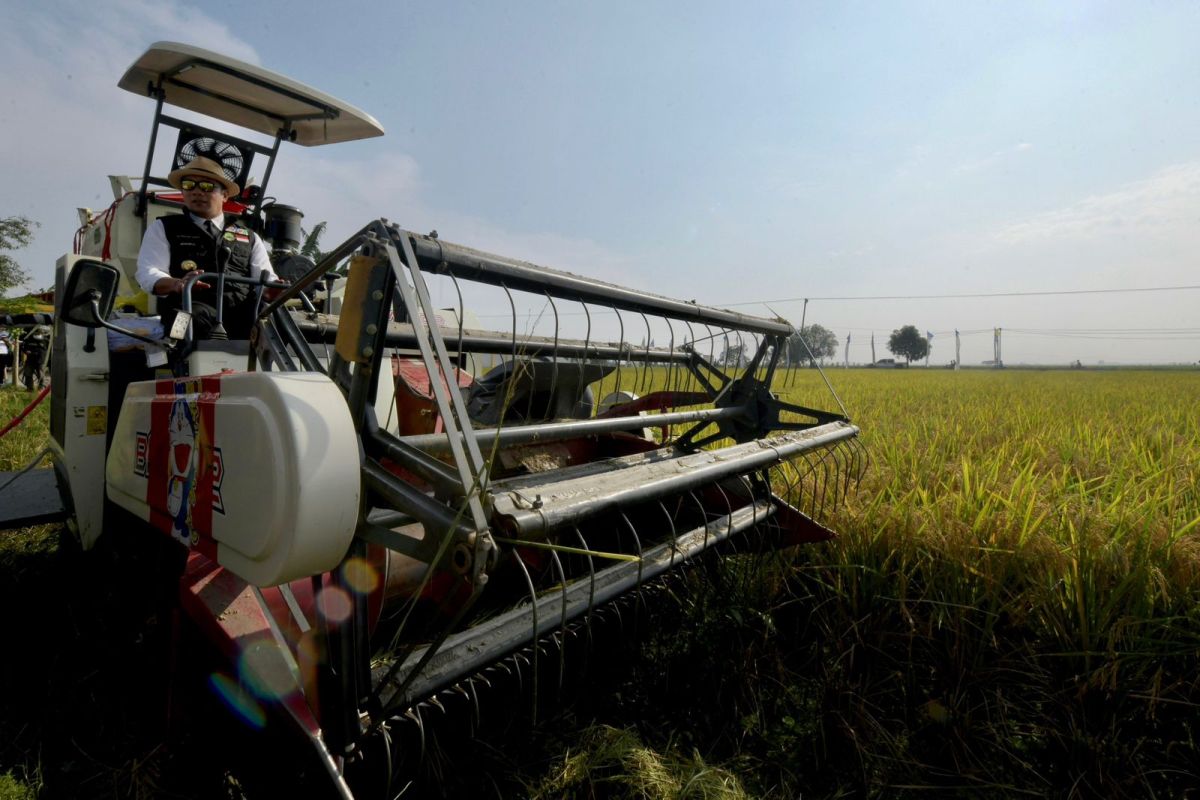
468,652
532,506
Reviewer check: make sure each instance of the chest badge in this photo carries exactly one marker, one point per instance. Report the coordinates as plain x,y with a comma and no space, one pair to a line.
236,233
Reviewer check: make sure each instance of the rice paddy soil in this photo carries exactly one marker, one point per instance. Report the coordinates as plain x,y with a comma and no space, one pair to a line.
1011,610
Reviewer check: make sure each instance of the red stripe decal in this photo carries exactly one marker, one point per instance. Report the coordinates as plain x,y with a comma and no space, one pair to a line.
180,486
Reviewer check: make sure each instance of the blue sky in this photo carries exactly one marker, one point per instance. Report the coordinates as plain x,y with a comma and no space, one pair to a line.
727,153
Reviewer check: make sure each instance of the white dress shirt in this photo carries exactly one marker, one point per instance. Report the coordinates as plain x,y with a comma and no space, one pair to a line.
154,259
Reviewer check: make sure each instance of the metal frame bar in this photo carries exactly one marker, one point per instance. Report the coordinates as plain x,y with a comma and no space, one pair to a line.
438,256
435,443
571,496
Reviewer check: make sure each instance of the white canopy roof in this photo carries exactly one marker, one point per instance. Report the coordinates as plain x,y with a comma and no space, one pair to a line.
245,95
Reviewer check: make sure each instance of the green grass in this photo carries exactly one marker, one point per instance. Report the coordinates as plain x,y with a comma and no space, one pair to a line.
26,440
614,762
13,788
16,449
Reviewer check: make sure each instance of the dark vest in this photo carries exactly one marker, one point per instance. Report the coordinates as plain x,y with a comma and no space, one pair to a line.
192,248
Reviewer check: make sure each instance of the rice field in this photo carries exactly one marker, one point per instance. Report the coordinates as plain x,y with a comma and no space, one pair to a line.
1013,603
1011,609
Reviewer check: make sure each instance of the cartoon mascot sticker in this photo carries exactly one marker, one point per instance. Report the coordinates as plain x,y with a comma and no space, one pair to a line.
181,482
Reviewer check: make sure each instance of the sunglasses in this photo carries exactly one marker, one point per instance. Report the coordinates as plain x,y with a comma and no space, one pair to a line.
187,184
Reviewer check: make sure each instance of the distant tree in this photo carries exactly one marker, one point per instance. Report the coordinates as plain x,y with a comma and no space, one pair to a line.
908,342
312,242
822,343
15,232
734,355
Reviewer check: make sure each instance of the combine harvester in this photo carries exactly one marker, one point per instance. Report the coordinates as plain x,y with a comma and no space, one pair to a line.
376,502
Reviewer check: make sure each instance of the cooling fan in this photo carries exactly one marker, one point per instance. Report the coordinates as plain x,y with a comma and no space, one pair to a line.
229,156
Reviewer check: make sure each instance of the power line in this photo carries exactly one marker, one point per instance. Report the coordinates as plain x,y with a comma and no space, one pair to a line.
1040,331
969,295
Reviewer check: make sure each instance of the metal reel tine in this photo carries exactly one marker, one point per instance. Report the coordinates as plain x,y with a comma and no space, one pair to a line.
821,473
473,692
591,579
554,352
833,463
622,344
515,669
832,478
562,631
534,635
814,480
863,458
671,366
703,514
513,308
637,543
816,483
692,383
643,382
845,458
789,477
728,509
587,338
671,524
414,714
459,359
616,610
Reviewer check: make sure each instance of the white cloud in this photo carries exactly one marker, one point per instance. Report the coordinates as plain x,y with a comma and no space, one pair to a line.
1162,204
991,160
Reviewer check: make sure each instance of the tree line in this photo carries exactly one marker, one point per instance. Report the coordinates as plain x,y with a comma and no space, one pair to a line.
812,344
15,233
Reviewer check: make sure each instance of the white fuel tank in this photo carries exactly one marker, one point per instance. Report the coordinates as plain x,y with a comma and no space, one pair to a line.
257,470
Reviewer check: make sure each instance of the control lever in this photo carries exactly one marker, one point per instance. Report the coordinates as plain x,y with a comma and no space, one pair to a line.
223,254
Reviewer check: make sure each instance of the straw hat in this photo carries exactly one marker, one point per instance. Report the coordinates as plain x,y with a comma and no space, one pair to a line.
206,167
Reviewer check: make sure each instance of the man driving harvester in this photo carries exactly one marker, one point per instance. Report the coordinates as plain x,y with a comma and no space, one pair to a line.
201,240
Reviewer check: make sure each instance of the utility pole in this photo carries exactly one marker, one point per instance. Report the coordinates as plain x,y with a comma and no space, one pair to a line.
957,350
803,315
847,356
872,347
996,359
